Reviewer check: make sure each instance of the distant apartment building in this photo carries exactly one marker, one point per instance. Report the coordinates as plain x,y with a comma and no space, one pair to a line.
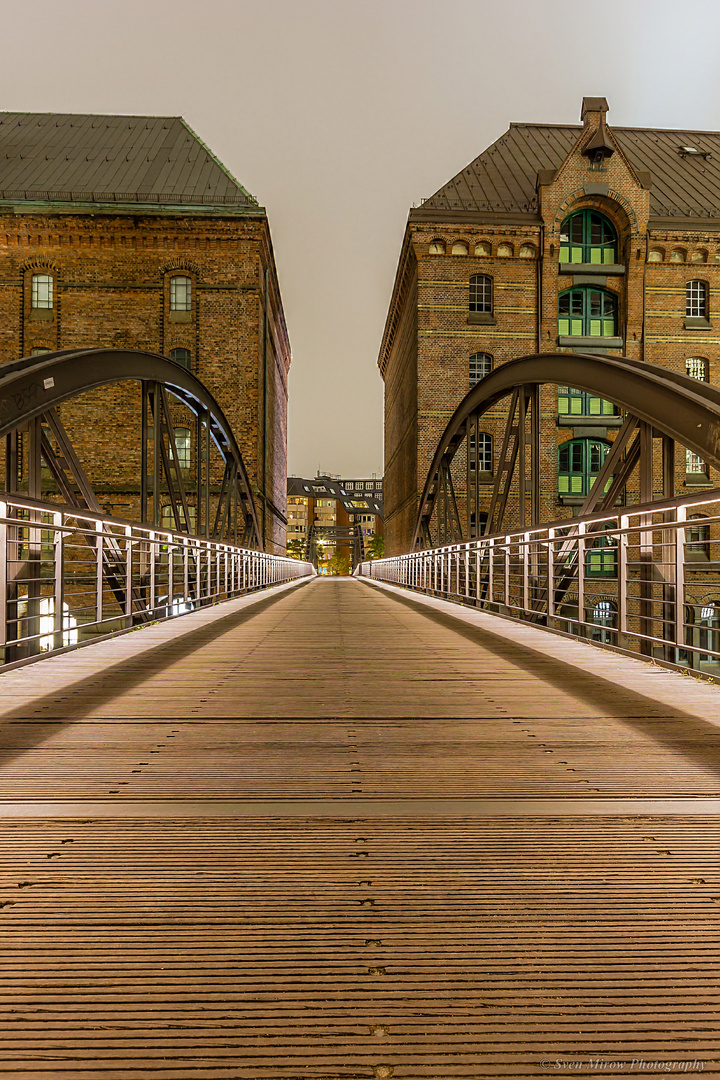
330,502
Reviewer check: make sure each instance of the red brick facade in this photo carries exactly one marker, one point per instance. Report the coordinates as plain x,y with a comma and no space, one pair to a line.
430,333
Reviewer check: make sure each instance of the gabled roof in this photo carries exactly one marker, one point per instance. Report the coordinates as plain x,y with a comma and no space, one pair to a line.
72,157
503,178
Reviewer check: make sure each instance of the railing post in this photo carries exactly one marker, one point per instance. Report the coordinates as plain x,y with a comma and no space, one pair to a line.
128,576
526,572
550,606
622,593
506,590
680,516
152,552
99,583
580,540
491,570
3,574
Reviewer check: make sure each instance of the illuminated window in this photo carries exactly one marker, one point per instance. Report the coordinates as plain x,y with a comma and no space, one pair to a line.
697,368
587,312
579,403
42,291
579,462
588,237
180,294
694,463
182,442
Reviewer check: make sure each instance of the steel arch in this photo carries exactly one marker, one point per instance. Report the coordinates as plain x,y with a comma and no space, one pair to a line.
34,385
681,408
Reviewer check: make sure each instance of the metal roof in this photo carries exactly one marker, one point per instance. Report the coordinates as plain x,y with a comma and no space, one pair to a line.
503,178
326,487
73,157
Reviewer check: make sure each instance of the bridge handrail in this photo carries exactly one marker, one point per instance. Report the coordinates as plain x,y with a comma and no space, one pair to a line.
646,589
69,576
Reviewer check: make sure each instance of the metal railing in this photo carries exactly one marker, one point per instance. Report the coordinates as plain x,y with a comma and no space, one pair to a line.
69,576
645,579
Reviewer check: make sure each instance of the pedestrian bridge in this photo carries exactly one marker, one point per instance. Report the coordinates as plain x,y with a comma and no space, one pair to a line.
339,829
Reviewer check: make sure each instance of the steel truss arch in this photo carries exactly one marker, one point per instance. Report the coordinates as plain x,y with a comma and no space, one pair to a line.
33,387
655,399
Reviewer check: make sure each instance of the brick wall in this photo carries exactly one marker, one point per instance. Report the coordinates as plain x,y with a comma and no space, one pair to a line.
111,276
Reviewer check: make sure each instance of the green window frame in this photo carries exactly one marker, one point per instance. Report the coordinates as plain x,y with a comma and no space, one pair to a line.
579,403
588,237
601,558
587,312
579,462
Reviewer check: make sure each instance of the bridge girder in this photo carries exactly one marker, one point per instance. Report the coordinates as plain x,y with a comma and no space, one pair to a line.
654,398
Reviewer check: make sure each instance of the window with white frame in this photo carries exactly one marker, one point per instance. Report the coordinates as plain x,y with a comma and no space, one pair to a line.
697,367
182,442
694,463
484,452
180,294
696,299
480,365
42,291
181,356
481,293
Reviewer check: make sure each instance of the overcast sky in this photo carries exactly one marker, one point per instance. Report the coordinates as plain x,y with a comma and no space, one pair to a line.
338,115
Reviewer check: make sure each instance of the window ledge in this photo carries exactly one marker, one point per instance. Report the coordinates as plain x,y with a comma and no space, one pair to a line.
42,314
566,420
601,269
697,480
180,316
485,318
695,322
597,342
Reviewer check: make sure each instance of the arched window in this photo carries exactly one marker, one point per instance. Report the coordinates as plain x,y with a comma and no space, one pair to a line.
656,255
697,367
41,295
437,247
696,299
527,251
588,237
505,251
483,248
709,630
181,356
699,256
580,403
485,451
697,539
180,294
182,437
677,255
460,248
694,464
603,616
587,312
480,365
39,351
481,298
579,462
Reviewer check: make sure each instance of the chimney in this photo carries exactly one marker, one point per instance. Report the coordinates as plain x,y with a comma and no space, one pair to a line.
598,147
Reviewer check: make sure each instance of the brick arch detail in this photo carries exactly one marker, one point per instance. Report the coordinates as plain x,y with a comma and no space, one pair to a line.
180,264
567,205
39,264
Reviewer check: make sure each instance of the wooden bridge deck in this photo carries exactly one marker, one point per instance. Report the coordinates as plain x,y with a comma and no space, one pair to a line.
339,832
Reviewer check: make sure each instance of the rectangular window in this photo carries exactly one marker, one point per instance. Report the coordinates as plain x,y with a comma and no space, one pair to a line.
42,291
180,294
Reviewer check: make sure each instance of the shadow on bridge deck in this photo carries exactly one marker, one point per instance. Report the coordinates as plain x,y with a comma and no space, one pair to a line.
340,832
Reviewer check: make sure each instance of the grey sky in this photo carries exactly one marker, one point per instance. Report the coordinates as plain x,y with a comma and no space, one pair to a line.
339,114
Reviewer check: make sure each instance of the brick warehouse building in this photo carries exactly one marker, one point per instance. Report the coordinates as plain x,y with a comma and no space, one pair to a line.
557,237
127,232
